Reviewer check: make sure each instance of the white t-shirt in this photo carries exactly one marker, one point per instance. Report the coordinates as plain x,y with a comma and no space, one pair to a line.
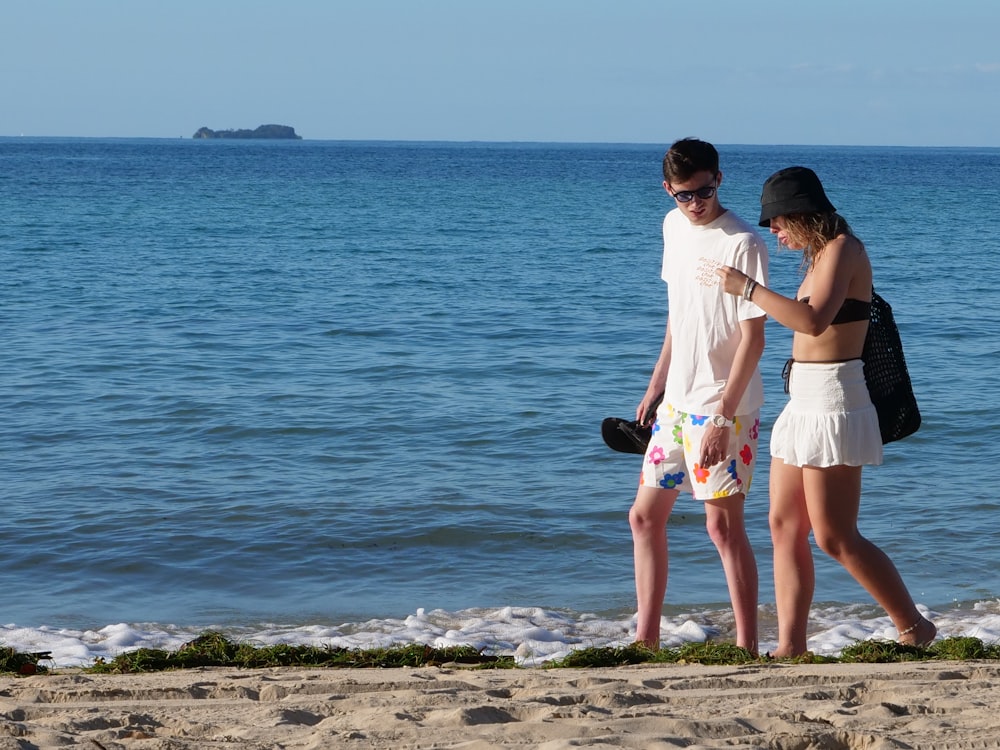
704,320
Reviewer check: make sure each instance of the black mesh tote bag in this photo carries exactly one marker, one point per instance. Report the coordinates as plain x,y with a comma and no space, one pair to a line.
887,377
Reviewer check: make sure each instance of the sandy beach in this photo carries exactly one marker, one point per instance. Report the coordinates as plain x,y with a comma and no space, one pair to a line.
936,705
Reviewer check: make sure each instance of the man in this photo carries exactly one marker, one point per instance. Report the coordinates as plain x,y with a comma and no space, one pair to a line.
705,435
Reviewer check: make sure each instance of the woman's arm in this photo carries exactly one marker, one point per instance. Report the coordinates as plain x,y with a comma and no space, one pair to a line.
830,278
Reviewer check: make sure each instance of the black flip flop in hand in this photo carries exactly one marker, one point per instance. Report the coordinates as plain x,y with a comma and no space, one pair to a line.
629,436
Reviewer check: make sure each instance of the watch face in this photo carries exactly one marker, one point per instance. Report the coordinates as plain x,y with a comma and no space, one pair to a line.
719,421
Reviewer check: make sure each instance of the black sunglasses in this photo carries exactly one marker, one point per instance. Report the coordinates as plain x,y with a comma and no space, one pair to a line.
686,196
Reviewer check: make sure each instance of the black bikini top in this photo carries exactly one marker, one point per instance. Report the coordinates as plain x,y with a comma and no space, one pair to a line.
851,311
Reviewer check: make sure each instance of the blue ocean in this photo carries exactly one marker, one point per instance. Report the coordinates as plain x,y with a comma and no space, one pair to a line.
350,393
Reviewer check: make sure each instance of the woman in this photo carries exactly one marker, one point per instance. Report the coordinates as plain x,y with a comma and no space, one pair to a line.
829,428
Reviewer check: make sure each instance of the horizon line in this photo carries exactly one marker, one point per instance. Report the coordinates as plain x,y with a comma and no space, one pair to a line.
480,141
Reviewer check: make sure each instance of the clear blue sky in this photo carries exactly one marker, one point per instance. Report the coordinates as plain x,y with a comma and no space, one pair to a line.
882,72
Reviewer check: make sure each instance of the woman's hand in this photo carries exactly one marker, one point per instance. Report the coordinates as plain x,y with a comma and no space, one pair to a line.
733,281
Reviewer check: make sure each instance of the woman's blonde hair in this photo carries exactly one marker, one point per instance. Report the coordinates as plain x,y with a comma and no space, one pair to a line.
814,231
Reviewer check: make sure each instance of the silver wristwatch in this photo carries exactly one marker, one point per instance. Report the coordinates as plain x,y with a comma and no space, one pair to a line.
720,421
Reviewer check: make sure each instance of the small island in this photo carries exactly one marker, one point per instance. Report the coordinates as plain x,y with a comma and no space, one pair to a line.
264,131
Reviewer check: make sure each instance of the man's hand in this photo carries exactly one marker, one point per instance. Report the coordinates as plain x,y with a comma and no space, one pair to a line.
714,446
645,412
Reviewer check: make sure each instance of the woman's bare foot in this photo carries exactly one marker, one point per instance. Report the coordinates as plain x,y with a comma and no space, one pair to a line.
921,633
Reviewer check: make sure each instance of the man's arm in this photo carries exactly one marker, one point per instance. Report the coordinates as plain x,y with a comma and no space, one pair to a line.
715,444
745,363
644,412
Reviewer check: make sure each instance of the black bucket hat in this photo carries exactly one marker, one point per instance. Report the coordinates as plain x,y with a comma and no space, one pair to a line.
794,190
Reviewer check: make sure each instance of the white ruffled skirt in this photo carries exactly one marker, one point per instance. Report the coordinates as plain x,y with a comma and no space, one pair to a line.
829,419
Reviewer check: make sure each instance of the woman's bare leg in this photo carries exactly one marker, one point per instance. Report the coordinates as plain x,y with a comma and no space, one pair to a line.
794,574
833,497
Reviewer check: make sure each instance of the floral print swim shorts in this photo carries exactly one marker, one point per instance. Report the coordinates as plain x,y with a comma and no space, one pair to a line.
671,460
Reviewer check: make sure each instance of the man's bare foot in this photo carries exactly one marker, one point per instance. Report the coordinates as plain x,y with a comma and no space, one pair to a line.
921,633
